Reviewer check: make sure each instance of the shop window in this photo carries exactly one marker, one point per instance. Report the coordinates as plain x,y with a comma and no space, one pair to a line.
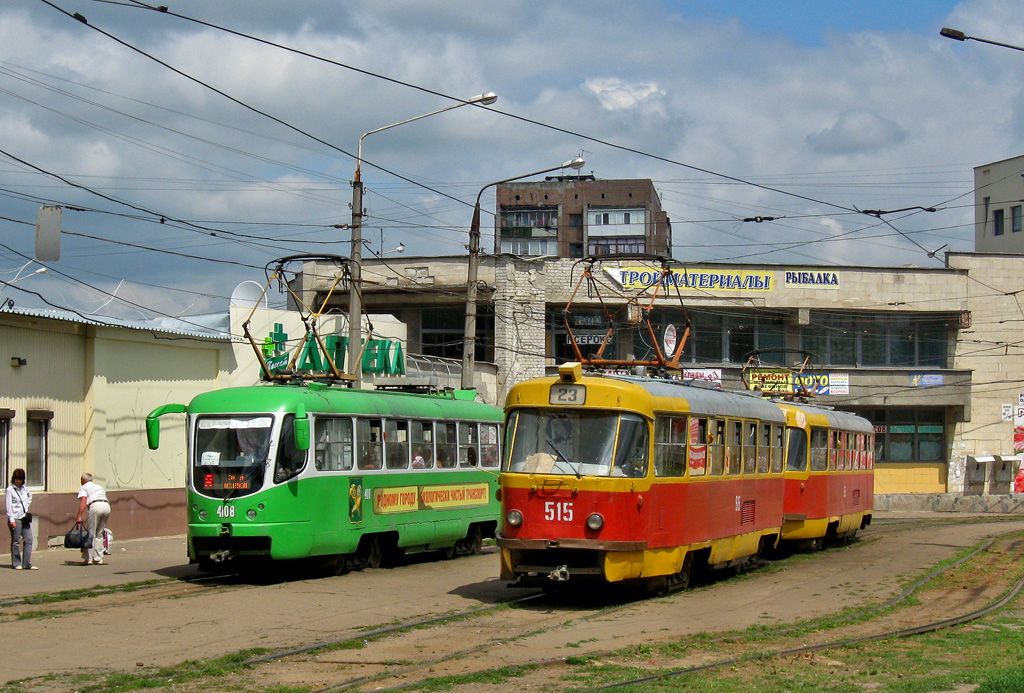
37,448
906,435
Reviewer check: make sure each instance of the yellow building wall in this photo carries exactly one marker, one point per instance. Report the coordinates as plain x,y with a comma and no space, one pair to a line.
909,477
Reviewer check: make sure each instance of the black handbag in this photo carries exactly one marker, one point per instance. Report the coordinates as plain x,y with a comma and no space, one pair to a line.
27,520
78,537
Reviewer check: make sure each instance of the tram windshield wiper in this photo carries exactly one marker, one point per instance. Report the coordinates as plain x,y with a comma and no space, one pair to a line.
562,455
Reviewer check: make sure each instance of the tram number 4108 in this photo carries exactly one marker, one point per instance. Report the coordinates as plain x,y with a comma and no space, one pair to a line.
558,511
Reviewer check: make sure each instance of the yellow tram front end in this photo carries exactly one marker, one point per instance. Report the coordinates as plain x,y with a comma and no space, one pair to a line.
574,480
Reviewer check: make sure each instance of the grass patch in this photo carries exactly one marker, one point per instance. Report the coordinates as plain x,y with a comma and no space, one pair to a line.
492,677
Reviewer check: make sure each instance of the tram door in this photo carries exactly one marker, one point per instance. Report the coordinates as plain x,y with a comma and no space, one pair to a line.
797,498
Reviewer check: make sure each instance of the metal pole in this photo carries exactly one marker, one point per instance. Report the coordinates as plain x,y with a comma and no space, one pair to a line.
355,273
469,336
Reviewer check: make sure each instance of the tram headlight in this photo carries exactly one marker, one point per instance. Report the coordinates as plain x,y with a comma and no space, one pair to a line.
514,518
202,514
251,514
595,521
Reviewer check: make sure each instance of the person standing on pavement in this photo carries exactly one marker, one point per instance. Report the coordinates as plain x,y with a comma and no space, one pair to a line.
92,499
19,521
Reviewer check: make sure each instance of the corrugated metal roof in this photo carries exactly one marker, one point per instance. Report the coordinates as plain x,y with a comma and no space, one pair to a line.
210,326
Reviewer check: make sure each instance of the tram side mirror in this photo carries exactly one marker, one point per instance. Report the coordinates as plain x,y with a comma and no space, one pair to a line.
153,422
301,429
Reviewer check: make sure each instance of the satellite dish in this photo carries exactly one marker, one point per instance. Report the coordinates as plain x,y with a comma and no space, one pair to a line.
249,294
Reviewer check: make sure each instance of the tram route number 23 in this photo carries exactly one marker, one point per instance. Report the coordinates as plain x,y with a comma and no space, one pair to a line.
558,511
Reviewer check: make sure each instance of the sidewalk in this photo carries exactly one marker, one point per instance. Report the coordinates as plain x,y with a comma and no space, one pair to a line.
134,560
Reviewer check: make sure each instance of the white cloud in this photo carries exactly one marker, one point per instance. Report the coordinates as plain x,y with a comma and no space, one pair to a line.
872,119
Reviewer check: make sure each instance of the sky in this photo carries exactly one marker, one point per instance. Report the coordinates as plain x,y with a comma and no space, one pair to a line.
188,149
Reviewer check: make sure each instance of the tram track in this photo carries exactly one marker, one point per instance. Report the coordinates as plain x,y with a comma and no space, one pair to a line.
467,659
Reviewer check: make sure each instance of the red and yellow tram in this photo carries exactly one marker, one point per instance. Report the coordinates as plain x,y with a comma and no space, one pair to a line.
626,479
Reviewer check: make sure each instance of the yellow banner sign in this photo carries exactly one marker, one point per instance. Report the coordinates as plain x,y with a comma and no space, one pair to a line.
454,496
404,499
399,499
770,379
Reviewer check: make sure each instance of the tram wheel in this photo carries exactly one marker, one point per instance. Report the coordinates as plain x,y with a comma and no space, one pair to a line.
374,553
340,564
448,553
473,543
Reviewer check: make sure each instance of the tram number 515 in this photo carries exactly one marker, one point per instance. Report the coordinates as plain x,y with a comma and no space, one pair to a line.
558,511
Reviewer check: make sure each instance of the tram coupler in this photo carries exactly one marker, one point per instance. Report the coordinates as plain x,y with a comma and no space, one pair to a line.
221,556
560,574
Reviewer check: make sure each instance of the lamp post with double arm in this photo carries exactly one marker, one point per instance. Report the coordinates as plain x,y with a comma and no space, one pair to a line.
469,337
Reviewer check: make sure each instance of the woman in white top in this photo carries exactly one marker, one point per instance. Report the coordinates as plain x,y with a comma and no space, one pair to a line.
93,499
19,521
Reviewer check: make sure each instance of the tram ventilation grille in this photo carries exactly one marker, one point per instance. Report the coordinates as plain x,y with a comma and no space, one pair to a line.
747,513
856,496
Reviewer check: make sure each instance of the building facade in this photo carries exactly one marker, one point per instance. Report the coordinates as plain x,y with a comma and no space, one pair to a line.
999,206
928,355
578,216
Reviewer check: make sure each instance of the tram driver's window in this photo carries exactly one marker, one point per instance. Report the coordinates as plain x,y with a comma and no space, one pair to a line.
290,460
632,449
796,456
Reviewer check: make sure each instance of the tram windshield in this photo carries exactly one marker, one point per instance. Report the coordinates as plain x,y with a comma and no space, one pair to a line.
230,454
581,443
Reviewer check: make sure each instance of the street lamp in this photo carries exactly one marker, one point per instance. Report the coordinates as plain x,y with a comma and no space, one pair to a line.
469,337
355,309
958,35
18,277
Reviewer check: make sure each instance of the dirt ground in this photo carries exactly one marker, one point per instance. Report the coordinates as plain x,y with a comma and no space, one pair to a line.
122,632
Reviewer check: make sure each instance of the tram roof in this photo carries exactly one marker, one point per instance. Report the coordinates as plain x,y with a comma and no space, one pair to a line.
706,400
334,400
836,419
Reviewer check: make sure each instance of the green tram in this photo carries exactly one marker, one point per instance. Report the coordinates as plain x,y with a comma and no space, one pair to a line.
291,471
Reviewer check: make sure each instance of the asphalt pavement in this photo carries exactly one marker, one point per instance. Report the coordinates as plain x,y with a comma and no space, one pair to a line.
134,560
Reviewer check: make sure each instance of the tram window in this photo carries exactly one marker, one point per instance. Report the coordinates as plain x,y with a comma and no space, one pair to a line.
716,446
764,447
469,441
749,447
777,432
796,450
733,447
370,443
834,460
333,447
669,446
820,450
422,445
698,448
289,460
842,442
396,441
632,448
446,445
489,445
